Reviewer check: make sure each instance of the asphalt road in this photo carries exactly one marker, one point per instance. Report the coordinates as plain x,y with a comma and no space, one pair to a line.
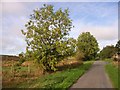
95,77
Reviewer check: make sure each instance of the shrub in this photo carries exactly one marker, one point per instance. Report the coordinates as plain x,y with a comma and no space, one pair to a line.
22,58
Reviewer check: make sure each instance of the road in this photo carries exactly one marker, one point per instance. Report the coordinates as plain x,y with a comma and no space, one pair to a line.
95,77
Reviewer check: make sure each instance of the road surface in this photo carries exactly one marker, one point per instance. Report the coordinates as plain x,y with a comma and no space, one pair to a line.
95,77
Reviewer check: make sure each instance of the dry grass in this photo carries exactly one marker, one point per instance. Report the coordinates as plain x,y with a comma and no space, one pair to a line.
68,64
69,61
8,63
27,63
13,75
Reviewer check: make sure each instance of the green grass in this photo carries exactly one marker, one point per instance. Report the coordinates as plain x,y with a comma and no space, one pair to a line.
113,74
59,79
109,60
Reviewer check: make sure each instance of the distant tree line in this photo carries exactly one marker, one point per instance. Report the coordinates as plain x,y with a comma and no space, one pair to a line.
110,51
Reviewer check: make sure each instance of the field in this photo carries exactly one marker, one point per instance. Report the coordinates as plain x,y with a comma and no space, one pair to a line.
29,75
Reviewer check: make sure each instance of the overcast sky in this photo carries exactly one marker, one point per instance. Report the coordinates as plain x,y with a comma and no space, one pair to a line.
100,19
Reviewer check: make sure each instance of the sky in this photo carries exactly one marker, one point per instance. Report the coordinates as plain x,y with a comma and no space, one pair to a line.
98,18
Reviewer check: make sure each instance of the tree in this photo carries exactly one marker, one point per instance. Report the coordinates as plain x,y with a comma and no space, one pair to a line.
118,46
107,52
87,44
47,36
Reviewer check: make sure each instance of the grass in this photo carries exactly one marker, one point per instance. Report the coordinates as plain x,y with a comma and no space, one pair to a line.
109,60
112,73
14,75
59,79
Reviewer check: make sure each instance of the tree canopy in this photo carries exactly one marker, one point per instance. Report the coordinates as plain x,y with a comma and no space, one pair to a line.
47,36
87,44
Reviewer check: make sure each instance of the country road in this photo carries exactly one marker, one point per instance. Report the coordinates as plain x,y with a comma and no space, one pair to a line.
95,77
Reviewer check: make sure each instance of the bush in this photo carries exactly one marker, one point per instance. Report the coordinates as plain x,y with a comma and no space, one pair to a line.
22,58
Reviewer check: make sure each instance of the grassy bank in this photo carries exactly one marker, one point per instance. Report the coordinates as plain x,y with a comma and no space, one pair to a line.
59,79
112,73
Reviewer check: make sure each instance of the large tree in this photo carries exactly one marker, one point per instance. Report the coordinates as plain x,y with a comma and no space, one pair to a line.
47,36
88,45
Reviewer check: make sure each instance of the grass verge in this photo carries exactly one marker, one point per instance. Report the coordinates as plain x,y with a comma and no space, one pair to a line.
60,79
112,73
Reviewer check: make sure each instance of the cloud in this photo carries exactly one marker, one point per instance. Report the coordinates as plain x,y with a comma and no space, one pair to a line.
13,42
13,45
101,32
105,34
15,15
104,43
89,9
99,19
12,8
